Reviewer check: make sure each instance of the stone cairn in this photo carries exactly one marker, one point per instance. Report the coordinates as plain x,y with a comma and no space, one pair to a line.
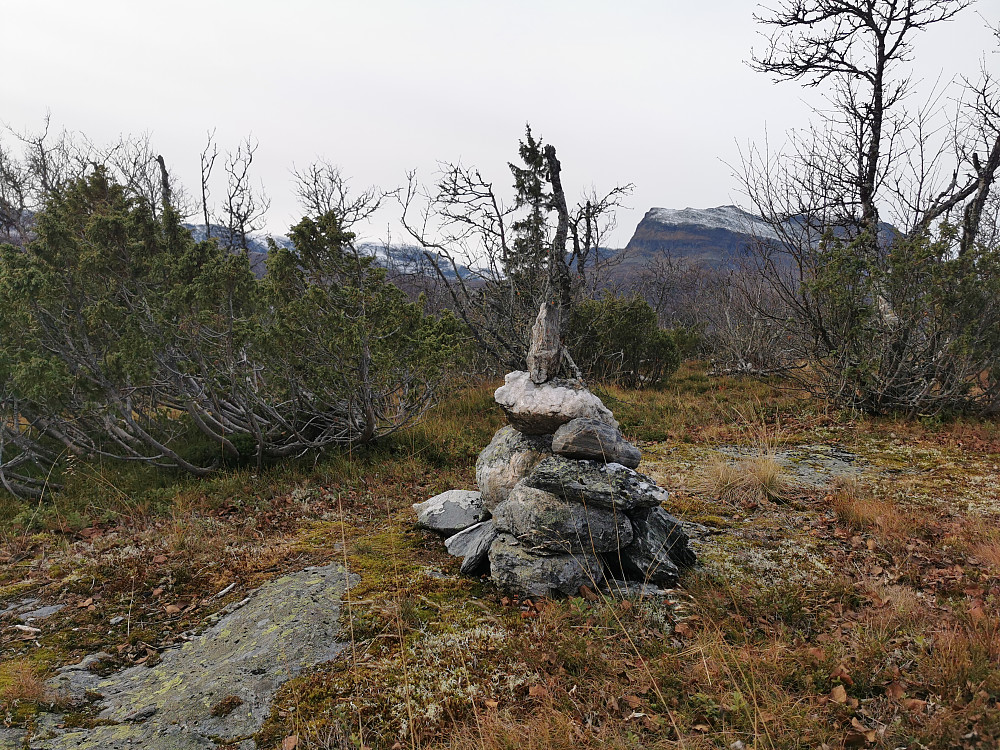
560,505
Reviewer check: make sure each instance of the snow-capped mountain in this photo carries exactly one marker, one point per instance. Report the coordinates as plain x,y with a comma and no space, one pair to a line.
402,259
711,236
729,218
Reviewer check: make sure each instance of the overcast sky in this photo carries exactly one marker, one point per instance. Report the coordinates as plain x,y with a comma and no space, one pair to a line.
655,92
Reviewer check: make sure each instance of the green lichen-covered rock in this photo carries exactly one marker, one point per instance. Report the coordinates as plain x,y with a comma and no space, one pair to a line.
11,738
509,457
515,569
288,624
548,524
606,485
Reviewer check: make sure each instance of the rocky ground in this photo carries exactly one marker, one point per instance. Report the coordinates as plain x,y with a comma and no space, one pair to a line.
851,602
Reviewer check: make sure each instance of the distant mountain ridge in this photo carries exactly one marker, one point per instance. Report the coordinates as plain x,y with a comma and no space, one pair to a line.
405,259
711,236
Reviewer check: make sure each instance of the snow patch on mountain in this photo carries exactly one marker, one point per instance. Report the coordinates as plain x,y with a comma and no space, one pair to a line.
728,218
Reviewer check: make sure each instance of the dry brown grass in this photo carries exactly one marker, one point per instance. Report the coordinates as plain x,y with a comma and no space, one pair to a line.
988,553
19,682
858,509
747,481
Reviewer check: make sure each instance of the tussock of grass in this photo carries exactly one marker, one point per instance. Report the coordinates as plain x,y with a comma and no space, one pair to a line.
860,510
747,481
20,683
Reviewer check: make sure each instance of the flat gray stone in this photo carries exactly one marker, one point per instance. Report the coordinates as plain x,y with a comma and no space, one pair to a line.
73,684
472,544
451,511
41,613
287,625
659,548
515,569
20,605
540,409
592,483
595,440
509,457
547,524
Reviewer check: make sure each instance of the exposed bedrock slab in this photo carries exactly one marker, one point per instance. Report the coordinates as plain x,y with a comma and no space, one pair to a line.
509,457
287,625
605,485
11,738
548,524
473,545
659,547
513,568
595,440
451,511
540,409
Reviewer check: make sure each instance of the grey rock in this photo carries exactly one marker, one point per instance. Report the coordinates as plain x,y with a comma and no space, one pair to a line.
509,457
548,524
21,605
472,544
73,684
659,547
605,485
540,409
451,511
288,624
513,568
41,613
596,440
545,350
11,738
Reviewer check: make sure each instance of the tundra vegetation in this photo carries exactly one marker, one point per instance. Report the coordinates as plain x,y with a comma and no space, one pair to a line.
178,429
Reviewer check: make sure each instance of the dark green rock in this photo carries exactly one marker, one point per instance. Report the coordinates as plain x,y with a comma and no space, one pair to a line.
515,569
606,485
548,524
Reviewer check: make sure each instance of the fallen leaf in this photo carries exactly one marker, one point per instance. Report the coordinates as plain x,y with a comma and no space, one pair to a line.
633,701
682,629
895,691
855,739
538,691
838,694
843,674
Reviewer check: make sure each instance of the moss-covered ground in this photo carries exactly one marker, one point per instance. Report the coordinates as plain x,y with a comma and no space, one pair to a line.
862,612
